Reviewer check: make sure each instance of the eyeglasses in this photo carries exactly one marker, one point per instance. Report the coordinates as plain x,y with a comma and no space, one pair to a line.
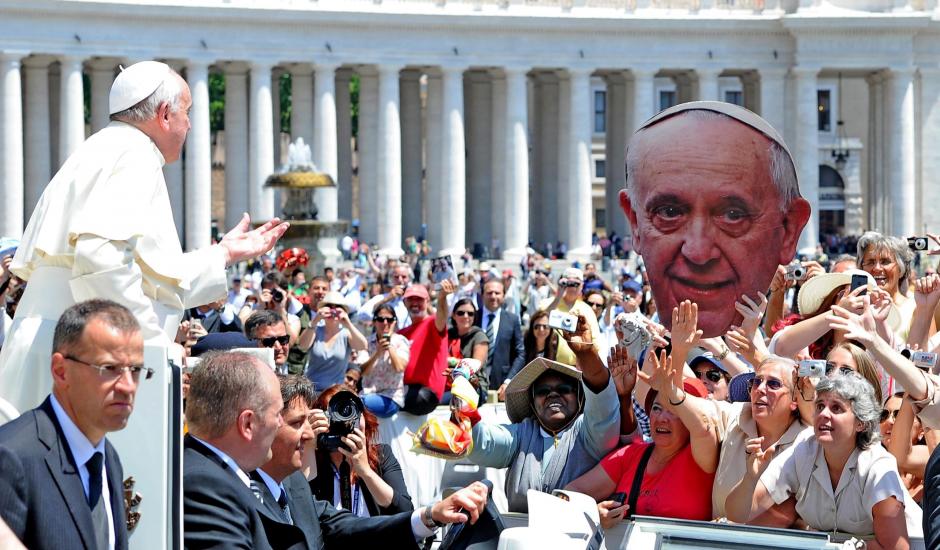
114,372
384,319
830,367
772,383
596,305
714,375
463,313
539,327
569,284
885,413
271,340
560,389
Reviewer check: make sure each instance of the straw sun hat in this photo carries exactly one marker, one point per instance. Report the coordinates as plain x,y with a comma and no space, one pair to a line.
814,292
518,392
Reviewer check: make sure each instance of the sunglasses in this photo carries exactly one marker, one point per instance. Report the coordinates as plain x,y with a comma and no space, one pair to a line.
596,305
462,313
885,413
271,340
560,389
539,327
384,319
569,284
772,383
713,375
830,367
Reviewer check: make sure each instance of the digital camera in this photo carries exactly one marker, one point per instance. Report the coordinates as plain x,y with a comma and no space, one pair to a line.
795,272
813,368
917,243
562,321
921,359
343,412
277,295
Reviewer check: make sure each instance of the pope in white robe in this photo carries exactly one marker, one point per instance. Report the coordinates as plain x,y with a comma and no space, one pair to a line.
103,228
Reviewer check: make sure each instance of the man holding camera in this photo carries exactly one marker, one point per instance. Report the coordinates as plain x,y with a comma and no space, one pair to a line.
568,300
399,281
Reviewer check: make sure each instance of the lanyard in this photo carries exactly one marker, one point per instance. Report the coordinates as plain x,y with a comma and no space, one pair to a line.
354,501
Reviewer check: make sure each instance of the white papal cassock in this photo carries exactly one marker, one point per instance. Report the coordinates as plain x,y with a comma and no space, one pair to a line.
102,229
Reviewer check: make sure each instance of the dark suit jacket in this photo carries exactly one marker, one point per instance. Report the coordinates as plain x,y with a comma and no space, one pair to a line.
508,356
931,502
389,470
218,509
41,493
213,321
318,525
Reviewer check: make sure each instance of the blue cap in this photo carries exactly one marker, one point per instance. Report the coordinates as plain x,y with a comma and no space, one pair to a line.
739,388
221,341
707,357
630,284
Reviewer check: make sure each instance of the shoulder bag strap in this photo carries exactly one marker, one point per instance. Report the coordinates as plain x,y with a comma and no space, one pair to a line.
638,480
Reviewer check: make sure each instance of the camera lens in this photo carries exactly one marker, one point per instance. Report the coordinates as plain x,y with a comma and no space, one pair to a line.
277,294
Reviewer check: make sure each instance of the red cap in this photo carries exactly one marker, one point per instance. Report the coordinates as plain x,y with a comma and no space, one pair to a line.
691,386
416,290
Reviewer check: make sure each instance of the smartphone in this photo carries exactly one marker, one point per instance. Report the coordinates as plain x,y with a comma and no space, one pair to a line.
619,498
813,368
859,280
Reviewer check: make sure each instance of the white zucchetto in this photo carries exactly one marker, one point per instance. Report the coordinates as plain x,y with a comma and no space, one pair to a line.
135,84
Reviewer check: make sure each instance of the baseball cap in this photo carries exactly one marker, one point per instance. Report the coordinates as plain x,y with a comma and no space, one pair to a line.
739,390
416,291
573,273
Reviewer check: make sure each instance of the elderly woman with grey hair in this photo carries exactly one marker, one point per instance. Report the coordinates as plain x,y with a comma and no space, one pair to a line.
841,480
888,260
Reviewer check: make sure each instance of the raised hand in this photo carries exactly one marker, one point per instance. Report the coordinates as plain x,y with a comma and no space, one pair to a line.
685,333
581,339
623,369
752,312
853,301
927,290
758,459
663,374
241,244
611,513
851,324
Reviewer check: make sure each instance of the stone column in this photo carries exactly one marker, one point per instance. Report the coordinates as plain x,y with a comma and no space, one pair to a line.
618,126
875,193
579,228
807,149
562,191
261,143
436,217
411,166
368,155
515,219
482,225
38,168
72,107
236,143
102,75
772,97
453,165
388,196
708,84
198,159
546,202
324,153
344,145
901,152
11,145
644,106
499,192
930,155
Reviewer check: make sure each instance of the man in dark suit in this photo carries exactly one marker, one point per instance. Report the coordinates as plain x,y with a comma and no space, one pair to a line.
61,482
931,502
219,506
215,317
507,351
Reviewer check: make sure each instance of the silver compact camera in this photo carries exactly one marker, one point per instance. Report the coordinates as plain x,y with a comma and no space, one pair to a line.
917,243
633,334
813,368
562,321
795,272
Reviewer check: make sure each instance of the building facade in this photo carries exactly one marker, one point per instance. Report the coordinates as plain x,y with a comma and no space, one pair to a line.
490,122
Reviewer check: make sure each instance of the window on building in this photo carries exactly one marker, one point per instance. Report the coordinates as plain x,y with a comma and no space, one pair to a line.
600,169
667,98
734,96
600,218
824,104
600,112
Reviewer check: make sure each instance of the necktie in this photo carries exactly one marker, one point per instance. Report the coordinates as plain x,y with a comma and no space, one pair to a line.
345,490
490,336
257,489
285,509
99,516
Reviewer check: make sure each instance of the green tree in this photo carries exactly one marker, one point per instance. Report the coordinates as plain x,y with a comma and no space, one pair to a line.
216,102
354,103
285,85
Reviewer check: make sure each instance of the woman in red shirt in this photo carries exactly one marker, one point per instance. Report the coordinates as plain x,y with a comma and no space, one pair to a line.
683,457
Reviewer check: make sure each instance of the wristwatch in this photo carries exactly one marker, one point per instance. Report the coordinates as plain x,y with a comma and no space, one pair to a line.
724,353
428,520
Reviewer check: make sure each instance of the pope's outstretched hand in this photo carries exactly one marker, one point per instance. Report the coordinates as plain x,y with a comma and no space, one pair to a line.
242,244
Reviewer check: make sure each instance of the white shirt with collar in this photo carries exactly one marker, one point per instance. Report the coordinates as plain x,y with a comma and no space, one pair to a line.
82,450
486,315
229,461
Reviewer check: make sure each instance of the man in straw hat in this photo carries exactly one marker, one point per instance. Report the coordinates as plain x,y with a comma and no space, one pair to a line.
103,229
714,207
564,419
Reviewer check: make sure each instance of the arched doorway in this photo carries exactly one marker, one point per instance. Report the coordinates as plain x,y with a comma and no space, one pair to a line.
831,201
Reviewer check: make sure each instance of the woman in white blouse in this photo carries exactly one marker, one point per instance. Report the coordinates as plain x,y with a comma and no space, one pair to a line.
841,480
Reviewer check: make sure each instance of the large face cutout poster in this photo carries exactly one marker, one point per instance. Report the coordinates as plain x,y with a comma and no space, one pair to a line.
714,207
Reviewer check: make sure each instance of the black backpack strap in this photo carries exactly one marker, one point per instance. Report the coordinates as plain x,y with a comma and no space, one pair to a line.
637,480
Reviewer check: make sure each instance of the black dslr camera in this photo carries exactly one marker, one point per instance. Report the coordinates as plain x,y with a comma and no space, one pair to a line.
344,411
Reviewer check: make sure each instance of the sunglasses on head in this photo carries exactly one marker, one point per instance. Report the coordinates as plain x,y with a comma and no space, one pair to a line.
885,413
830,367
464,313
271,340
560,389
771,383
714,375
384,319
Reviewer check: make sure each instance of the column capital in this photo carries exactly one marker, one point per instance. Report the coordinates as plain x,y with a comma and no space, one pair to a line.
13,55
516,69
708,72
70,59
234,68
38,61
197,63
454,67
326,65
579,71
804,71
300,69
102,64
773,72
906,71
257,65
643,73
387,69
